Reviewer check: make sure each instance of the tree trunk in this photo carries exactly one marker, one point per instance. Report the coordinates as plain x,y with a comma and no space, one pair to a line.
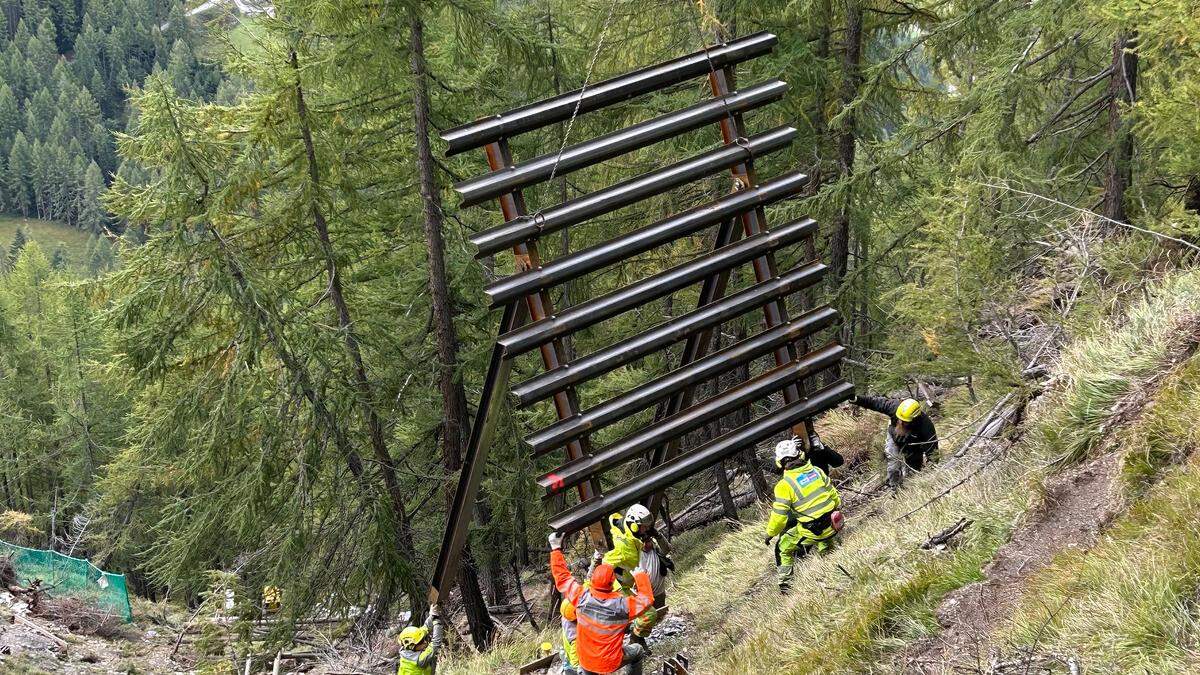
839,245
362,384
748,457
713,430
454,400
1122,89
722,480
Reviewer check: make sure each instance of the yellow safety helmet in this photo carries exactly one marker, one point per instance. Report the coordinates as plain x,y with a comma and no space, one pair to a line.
908,410
567,610
412,636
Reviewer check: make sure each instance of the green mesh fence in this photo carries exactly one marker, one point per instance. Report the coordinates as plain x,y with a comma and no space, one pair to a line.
64,576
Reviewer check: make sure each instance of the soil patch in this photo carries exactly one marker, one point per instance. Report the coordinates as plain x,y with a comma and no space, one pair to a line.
1079,503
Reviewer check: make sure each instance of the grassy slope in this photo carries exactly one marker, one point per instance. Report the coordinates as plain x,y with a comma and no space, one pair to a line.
878,591
1130,602
48,234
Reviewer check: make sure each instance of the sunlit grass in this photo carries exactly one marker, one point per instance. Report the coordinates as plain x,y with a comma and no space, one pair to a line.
1130,605
49,235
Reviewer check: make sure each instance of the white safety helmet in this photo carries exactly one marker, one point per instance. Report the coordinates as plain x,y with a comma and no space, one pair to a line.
636,518
788,449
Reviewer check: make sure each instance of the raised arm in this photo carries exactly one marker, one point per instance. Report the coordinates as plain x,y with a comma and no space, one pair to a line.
880,404
433,621
563,581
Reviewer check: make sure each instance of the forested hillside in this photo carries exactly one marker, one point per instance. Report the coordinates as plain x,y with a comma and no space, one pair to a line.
64,71
272,382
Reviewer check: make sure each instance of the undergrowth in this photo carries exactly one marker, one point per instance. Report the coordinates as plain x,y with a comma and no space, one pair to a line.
1108,364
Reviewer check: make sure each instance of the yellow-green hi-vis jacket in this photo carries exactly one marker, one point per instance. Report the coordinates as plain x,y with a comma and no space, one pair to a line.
803,495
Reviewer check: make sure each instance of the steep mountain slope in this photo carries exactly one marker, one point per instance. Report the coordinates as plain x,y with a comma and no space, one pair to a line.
1080,552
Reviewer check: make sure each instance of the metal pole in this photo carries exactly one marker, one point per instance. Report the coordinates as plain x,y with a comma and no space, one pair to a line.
643,81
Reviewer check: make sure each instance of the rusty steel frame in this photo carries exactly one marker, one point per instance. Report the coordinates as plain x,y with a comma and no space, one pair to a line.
741,237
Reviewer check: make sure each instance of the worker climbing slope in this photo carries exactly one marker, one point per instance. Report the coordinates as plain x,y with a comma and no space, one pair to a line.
418,652
911,437
602,614
638,544
804,513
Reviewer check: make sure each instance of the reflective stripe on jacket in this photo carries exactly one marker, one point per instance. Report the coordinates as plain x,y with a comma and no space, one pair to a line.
601,617
802,495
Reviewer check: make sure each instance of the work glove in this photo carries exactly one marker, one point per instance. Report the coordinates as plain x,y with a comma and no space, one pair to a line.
435,613
668,563
597,557
556,540
767,541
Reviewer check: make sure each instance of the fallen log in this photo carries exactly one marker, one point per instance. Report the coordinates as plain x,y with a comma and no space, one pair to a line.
943,537
713,514
40,631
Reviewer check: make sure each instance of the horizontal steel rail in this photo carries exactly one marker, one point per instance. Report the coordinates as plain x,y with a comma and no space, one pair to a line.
586,207
649,79
639,398
539,169
689,464
579,470
633,348
597,257
594,311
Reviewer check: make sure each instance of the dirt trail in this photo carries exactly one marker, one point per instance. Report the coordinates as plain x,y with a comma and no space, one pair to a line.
1079,503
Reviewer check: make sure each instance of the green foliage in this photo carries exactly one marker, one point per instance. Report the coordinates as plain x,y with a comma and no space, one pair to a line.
57,113
245,412
64,413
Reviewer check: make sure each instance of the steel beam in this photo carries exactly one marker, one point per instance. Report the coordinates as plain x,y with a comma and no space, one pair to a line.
753,222
539,169
689,464
575,472
638,346
597,257
641,397
474,460
586,207
560,108
639,293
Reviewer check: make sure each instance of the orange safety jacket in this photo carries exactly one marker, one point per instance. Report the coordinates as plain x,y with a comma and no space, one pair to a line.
602,616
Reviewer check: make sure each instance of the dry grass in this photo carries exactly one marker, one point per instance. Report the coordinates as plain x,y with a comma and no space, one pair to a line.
83,618
1129,605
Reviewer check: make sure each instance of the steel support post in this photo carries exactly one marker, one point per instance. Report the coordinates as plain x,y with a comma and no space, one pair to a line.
566,404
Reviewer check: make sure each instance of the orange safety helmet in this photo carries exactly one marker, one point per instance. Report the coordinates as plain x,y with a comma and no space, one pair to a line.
602,577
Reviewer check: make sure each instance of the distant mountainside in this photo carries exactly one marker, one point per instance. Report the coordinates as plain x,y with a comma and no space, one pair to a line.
64,74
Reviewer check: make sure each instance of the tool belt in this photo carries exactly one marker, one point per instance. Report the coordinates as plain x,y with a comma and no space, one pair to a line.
820,524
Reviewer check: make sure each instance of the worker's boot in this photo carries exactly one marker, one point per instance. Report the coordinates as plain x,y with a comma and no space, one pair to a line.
640,640
784,574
